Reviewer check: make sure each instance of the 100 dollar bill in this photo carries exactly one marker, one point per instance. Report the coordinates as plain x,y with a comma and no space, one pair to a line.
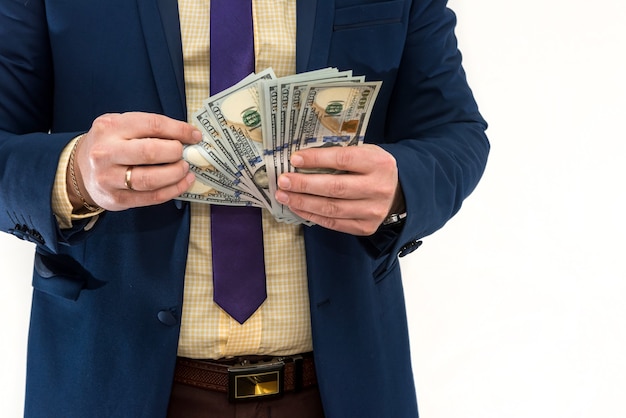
334,114
251,129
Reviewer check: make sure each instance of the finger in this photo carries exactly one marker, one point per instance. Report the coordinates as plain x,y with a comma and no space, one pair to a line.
361,227
357,159
124,199
364,209
342,186
147,125
148,178
147,151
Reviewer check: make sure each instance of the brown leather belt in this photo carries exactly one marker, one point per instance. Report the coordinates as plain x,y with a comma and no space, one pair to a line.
248,378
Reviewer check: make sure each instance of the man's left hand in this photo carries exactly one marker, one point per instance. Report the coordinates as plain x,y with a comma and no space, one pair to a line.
355,202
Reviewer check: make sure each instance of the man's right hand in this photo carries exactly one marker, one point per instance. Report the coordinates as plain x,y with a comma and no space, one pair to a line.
150,145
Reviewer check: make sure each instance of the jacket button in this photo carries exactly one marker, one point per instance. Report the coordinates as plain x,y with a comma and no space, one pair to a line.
167,317
35,237
180,204
17,232
409,248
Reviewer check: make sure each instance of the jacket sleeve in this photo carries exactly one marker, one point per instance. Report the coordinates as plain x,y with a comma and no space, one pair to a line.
29,153
433,128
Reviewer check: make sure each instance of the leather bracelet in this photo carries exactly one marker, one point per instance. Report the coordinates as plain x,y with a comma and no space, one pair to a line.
86,204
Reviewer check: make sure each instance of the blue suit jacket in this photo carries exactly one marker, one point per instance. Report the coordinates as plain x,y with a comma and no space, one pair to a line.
107,302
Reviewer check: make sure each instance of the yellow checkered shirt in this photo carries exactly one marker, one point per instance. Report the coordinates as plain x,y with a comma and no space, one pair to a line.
282,324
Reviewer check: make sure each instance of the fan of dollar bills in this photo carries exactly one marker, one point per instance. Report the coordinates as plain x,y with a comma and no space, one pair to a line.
251,129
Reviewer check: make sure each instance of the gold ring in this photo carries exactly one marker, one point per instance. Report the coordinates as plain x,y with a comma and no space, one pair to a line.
127,179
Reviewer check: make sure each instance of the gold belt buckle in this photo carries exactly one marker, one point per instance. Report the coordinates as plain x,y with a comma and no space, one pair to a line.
260,380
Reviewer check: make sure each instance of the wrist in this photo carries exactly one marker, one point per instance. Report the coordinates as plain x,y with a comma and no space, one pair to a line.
397,212
77,197
398,205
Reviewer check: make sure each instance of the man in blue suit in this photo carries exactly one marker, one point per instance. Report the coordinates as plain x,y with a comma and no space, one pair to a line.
108,285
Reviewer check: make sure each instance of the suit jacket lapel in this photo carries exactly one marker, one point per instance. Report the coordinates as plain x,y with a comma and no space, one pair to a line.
313,33
161,27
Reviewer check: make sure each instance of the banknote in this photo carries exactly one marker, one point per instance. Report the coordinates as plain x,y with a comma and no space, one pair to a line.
275,100
294,106
200,192
236,113
334,114
212,141
250,130
221,180
268,92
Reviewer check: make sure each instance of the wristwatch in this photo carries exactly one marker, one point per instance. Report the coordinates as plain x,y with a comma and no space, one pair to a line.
394,219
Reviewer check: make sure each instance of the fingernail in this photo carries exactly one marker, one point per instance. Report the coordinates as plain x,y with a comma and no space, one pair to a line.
191,178
297,160
282,197
284,182
197,135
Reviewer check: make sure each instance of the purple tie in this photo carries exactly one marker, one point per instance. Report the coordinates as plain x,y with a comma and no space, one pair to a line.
236,232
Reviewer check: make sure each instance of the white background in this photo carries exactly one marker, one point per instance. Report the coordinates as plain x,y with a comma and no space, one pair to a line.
516,307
